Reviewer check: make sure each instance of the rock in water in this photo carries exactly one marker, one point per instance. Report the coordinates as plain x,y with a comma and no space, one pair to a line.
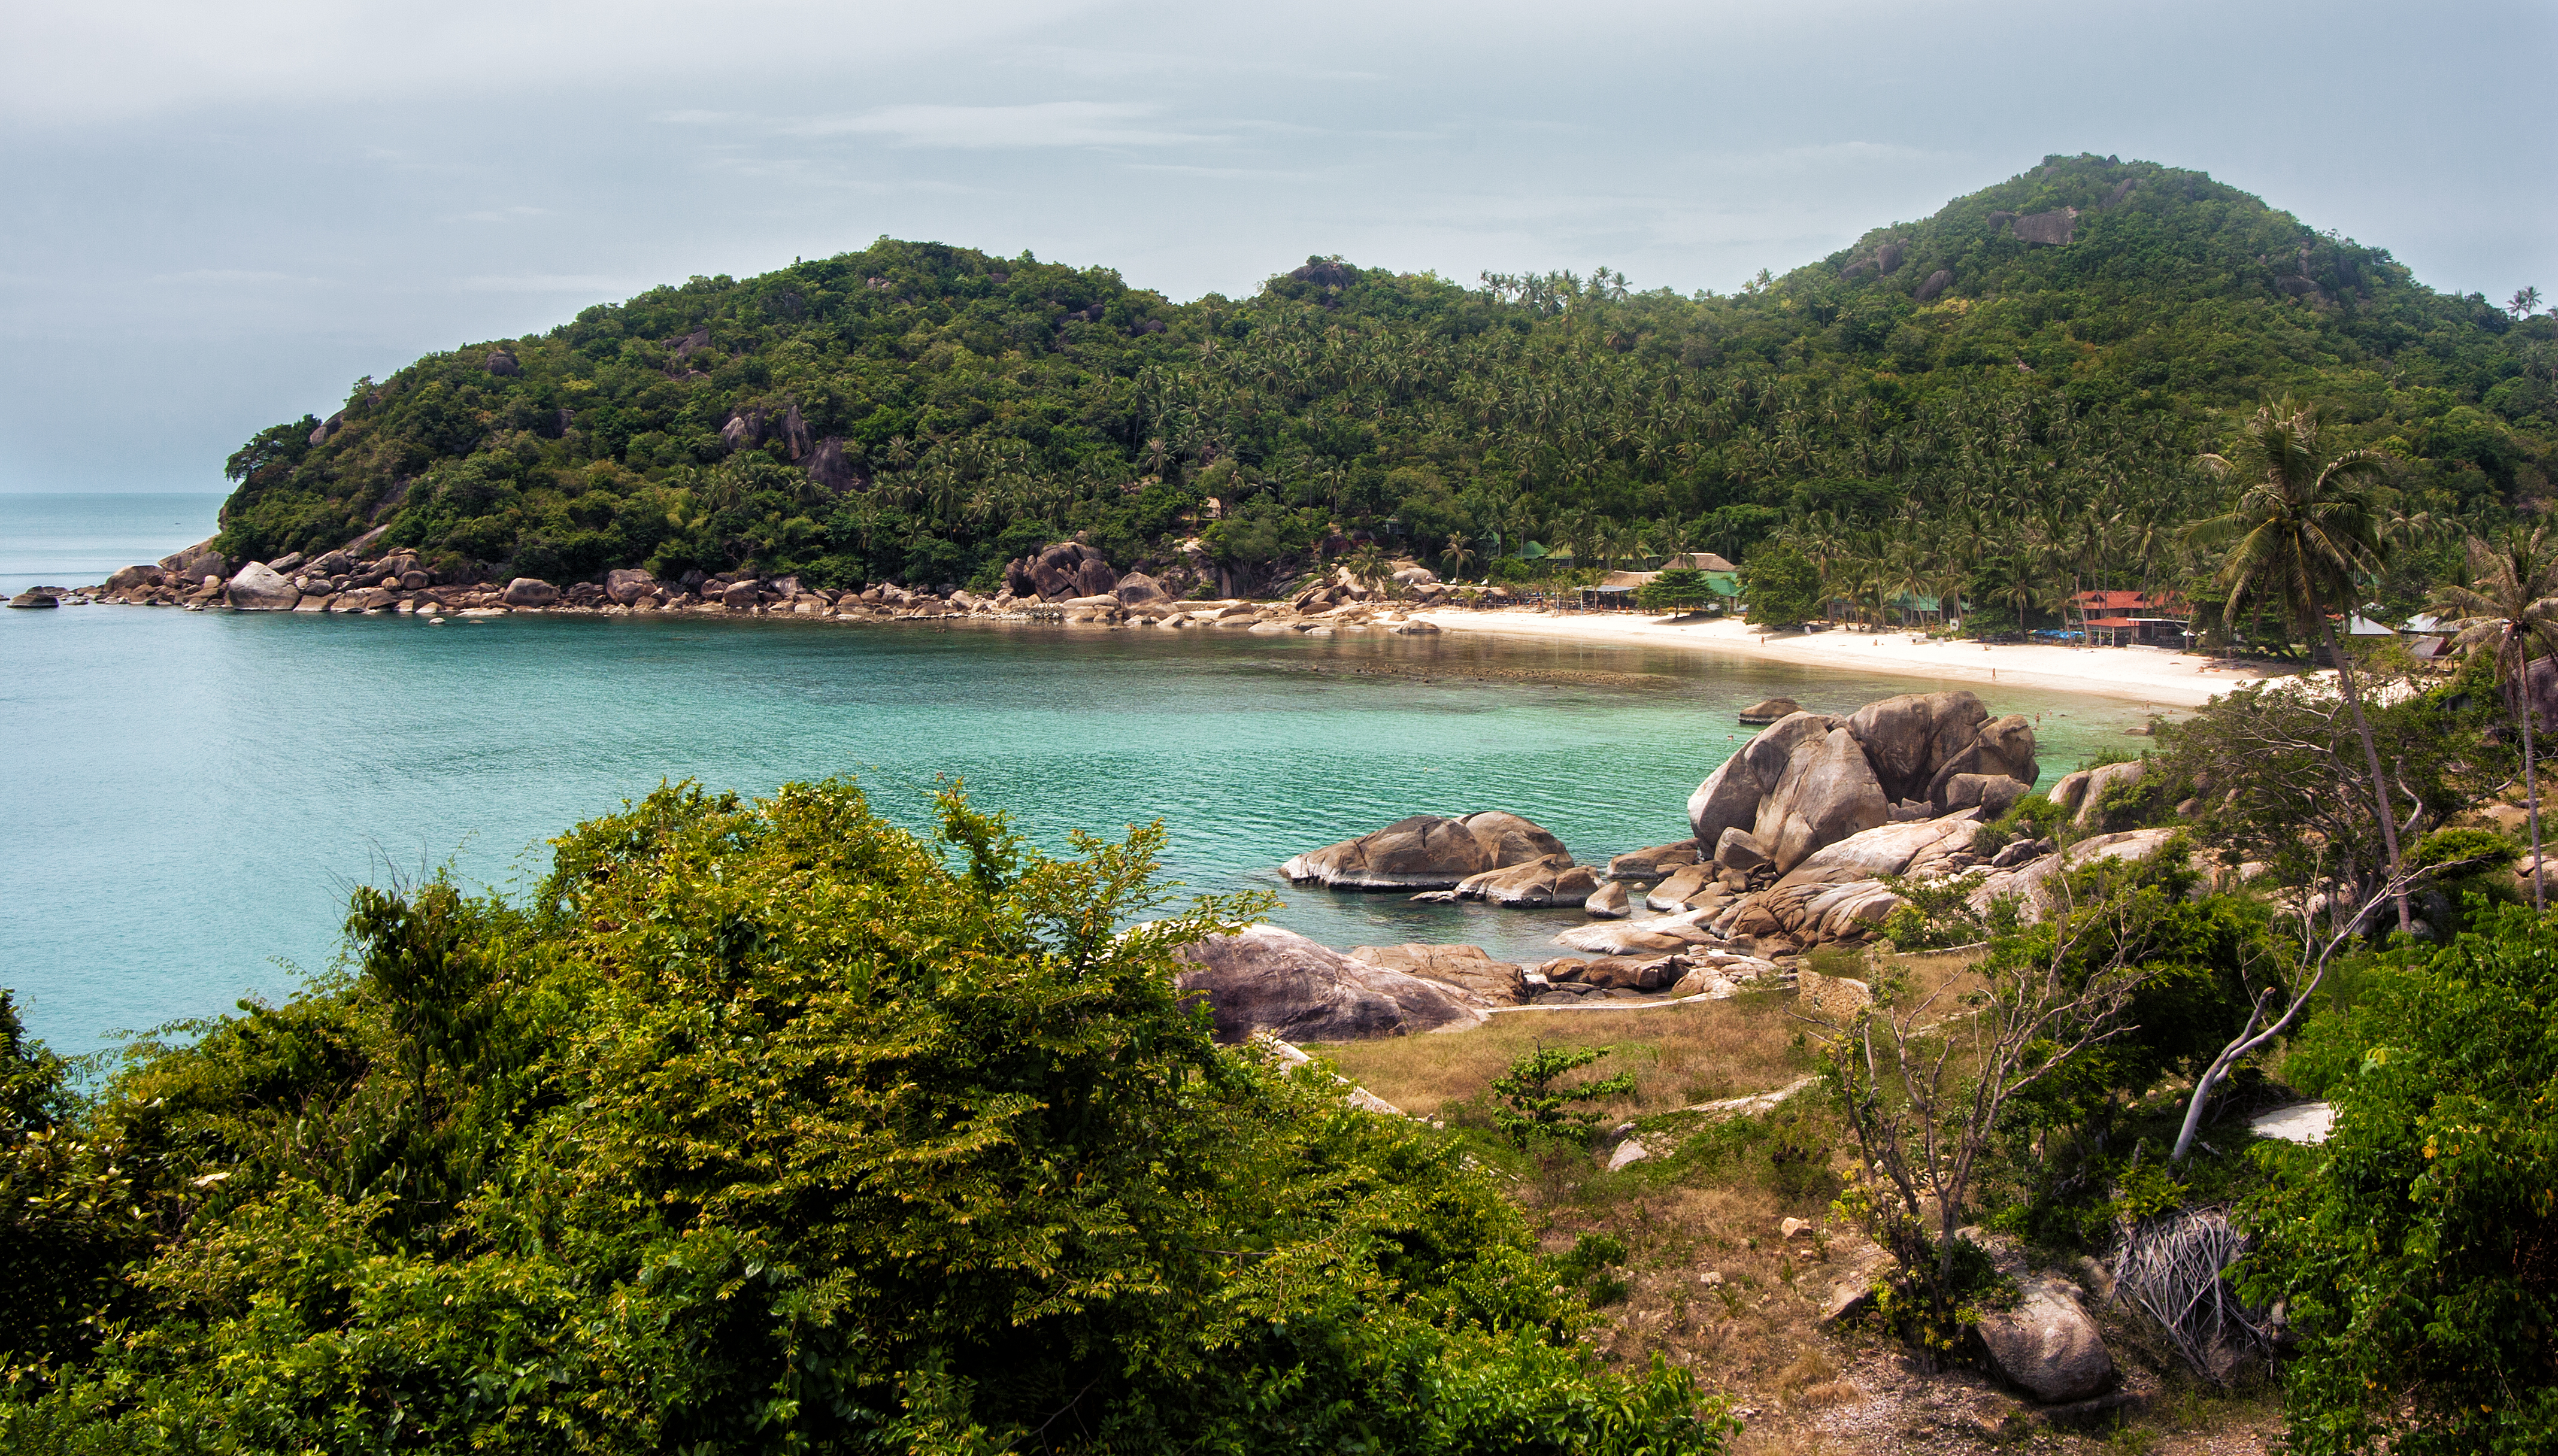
1761,713
530,591
259,588
1264,978
1644,864
1426,852
2047,1345
1536,885
33,596
1608,901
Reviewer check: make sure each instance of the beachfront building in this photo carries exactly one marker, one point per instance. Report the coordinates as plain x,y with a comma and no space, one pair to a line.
2133,619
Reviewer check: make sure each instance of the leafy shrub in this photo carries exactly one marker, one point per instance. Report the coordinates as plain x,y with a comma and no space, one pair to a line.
1532,1105
772,1127
2413,1248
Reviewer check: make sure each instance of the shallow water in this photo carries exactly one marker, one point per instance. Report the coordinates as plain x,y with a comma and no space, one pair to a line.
192,795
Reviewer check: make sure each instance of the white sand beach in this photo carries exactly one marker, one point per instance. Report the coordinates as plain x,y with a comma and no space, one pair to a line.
2169,679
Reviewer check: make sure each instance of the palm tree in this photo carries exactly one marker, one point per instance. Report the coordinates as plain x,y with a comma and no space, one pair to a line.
2302,530
2515,610
1456,557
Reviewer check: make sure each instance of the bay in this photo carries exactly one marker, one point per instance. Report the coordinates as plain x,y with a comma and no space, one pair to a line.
191,796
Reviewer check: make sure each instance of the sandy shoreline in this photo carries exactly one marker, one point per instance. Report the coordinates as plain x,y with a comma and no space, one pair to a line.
2133,675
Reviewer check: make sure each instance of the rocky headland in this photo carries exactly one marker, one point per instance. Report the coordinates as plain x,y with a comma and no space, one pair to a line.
1805,837
1069,582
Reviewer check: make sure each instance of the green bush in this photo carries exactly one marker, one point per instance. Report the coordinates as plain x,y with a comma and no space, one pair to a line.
2413,1246
772,1127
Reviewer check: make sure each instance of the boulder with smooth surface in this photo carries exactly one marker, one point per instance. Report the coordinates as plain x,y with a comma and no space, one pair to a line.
1644,864
1992,793
1684,888
1474,973
259,588
1608,901
1426,852
1538,884
2046,1345
1264,978
530,591
626,585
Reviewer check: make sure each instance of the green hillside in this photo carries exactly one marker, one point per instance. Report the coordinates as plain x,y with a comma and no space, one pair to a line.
1965,397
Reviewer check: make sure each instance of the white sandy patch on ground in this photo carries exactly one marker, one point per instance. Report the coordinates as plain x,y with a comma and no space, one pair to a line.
2169,679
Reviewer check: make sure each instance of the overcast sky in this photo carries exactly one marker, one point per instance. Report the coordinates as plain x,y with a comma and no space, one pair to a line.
216,217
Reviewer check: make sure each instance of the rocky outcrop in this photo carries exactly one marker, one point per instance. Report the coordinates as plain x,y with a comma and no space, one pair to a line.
1808,780
1475,974
502,364
530,591
1684,888
1427,852
35,596
2030,882
1061,572
1938,282
1992,793
1769,710
1645,864
1137,589
2054,228
1264,978
2082,793
196,562
260,588
626,585
1536,885
1608,901
1919,849
828,469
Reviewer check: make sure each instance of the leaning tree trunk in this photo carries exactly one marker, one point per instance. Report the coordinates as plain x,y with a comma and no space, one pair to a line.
2371,760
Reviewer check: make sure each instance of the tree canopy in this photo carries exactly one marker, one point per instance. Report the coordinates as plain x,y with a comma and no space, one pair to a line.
771,1127
1967,397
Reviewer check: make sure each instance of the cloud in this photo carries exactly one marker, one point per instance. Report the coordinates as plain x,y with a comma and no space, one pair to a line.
515,214
1036,124
578,283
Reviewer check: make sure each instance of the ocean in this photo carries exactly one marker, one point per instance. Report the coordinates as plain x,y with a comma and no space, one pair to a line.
192,796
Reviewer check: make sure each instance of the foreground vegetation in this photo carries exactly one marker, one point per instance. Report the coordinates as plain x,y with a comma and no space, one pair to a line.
1944,409
768,1126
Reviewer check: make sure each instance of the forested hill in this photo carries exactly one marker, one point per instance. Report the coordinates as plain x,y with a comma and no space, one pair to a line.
2013,386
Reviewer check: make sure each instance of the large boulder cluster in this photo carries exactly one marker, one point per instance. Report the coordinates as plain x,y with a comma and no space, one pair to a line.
1067,583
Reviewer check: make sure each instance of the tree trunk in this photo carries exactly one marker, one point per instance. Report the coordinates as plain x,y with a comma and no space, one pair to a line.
2530,781
2370,758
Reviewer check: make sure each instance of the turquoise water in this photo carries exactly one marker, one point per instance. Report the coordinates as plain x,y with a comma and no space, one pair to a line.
191,796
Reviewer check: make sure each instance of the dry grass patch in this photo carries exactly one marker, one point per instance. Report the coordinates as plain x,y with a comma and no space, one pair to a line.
1679,1055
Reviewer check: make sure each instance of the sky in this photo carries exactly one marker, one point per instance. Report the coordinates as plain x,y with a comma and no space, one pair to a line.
216,217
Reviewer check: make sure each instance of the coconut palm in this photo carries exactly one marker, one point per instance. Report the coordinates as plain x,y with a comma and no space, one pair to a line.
2302,531
2513,611
1456,555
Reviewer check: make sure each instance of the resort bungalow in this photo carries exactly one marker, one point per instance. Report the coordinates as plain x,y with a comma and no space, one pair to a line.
2133,619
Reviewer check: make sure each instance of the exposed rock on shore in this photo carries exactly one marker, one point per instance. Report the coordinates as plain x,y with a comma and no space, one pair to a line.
1809,780
1264,978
